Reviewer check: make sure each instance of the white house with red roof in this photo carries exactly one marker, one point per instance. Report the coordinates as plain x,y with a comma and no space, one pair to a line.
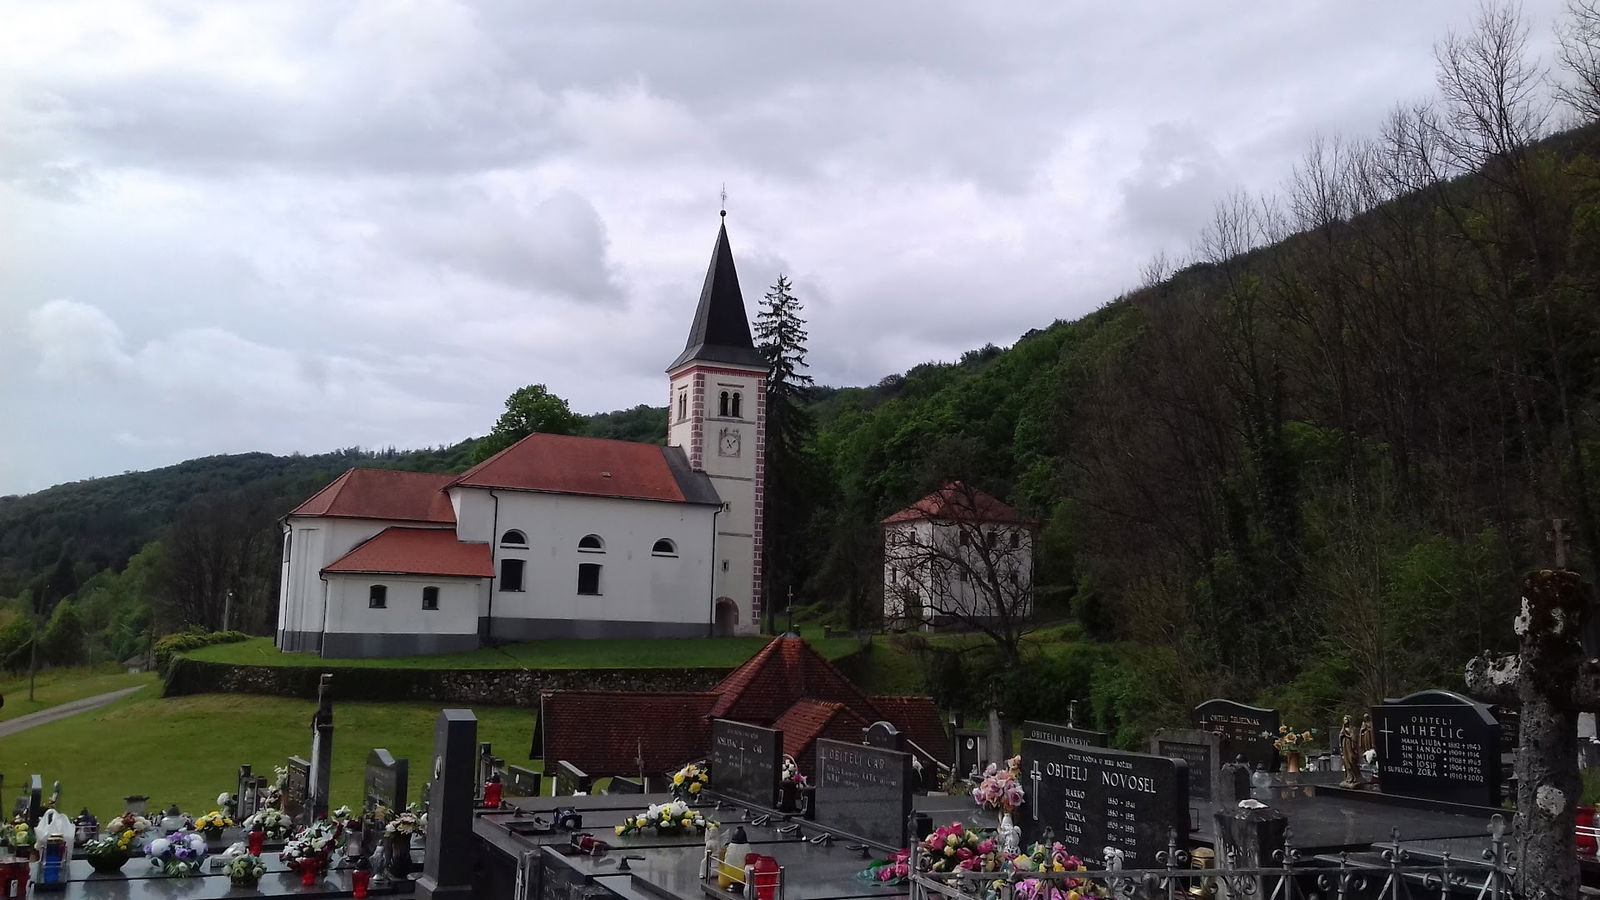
556,536
957,555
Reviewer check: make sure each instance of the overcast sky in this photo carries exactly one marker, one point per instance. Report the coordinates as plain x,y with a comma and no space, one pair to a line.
280,226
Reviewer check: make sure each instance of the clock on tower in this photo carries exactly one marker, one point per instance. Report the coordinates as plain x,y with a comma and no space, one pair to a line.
728,444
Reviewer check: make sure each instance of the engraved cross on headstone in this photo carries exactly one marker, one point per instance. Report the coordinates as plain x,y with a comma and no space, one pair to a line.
1035,776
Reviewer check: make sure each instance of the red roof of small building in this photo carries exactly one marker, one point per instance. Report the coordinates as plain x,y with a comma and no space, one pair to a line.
567,464
784,671
918,720
383,494
957,502
808,720
608,732
416,551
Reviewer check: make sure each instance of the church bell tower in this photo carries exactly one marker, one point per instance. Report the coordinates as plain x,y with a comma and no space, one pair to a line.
717,412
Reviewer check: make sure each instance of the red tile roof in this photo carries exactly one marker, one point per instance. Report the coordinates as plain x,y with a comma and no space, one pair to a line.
383,494
416,551
607,732
566,464
918,720
784,671
808,720
957,502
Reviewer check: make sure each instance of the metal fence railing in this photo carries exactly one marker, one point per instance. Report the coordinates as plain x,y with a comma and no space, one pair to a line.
1391,871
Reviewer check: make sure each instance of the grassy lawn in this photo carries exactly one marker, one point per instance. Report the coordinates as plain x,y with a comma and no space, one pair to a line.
188,749
715,653
59,686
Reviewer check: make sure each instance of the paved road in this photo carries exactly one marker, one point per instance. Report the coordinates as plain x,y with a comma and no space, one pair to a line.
23,723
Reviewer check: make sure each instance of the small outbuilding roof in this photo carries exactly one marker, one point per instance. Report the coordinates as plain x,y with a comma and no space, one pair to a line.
416,551
383,494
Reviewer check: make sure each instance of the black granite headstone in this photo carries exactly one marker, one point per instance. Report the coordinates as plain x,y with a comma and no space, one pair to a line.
523,782
569,779
1093,798
297,791
746,761
447,864
1063,734
621,785
385,782
1202,750
1247,731
863,791
970,746
1438,745
35,799
883,735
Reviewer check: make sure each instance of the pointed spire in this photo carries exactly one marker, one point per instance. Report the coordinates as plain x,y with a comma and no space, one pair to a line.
721,331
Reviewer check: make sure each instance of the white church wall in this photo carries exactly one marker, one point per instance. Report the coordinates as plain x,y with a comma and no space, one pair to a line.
474,514
402,626
641,594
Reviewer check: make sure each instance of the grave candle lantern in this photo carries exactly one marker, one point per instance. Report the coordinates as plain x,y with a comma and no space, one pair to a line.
492,789
86,826
257,837
361,878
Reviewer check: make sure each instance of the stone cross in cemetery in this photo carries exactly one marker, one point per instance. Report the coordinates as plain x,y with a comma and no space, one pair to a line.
244,798
1552,681
447,866
321,748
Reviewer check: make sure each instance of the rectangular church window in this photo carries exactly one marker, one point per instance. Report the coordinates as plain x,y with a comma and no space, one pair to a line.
378,596
510,574
589,578
430,598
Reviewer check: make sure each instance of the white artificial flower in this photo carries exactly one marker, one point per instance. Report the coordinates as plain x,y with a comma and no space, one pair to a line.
159,846
223,798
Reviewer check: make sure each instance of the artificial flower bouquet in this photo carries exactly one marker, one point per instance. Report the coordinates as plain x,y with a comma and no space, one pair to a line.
116,843
403,825
791,772
313,845
245,870
666,818
179,854
1000,789
1054,859
212,823
1287,741
890,871
689,781
274,823
128,827
17,838
955,846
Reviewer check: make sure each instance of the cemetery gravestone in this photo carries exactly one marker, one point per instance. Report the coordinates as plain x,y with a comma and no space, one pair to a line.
883,735
1093,799
970,745
35,799
1063,734
1201,750
245,797
569,779
522,782
321,749
863,791
485,769
746,761
1438,745
1247,731
447,865
297,790
385,782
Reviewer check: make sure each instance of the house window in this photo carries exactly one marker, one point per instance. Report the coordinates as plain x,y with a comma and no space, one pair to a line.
589,578
378,597
991,540
591,543
735,413
965,539
683,405
1016,540
430,598
961,575
1012,577
510,574
722,404
664,547
513,538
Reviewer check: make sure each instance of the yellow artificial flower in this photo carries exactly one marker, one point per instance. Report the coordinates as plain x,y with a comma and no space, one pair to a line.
694,788
619,830
678,778
1306,736
1282,729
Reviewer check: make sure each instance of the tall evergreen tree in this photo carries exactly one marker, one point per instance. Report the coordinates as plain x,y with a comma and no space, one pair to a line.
781,338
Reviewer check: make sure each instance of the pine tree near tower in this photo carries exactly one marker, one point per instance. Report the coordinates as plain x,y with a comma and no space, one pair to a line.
781,339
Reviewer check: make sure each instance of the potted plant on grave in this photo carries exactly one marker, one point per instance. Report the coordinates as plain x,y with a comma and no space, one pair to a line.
212,824
178,855
664,818
311,849
274,823
689,781
245,870
1290,744
1053,859
125,823
111,850
398,831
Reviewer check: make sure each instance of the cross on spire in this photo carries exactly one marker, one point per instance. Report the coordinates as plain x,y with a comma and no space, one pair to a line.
723,212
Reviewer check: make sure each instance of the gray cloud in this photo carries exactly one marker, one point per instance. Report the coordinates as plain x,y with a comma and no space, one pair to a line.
303,225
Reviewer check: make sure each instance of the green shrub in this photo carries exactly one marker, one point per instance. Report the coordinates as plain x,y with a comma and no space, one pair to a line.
192,638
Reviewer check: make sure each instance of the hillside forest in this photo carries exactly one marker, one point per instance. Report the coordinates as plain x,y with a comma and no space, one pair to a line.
1306,466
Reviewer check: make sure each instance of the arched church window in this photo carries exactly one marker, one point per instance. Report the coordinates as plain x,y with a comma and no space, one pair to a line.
513,538
589,578
683,405
722,404
664,547
735,407
591,543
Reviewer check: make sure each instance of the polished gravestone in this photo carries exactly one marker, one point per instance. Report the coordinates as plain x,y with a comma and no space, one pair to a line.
1247,731
297,791
746,761
1202,750
1438,745
864,791
569,779
447,864
1063,734
523,782
971,747
883,735
385,782
318,788
1092,799
244,798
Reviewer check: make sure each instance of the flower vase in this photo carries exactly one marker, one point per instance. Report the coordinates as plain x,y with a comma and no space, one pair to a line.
399,857
244,881
212,834
107,863
1291,760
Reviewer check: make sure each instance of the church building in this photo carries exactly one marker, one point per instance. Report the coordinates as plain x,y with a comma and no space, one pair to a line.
556,536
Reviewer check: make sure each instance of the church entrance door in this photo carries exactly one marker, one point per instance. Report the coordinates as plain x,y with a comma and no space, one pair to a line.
727,617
